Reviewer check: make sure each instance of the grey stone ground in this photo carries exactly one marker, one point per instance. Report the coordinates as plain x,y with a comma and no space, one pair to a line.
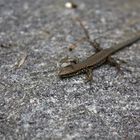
35,104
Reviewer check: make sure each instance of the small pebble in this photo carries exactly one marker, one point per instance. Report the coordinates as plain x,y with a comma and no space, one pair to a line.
70,5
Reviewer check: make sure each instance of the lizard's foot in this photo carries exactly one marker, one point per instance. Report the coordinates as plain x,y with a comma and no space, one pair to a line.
95,45
89,75
113,62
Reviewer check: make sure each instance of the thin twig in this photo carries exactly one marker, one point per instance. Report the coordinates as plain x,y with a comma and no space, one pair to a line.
74,45
22,60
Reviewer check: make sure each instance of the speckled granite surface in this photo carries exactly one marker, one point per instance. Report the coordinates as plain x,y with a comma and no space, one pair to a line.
35,104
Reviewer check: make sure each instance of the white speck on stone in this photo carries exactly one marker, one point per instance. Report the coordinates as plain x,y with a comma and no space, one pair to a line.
52,99
92,108
41,64
34,101
97,11
78,81
103,20
119,32
68,5
71,89
50,111
26,126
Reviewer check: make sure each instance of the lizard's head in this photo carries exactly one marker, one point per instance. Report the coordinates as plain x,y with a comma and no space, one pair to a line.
66,71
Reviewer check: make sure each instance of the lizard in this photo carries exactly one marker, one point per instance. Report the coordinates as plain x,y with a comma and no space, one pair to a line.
96,59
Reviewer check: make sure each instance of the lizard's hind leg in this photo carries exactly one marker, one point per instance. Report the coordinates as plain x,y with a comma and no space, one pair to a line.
113,62
89,75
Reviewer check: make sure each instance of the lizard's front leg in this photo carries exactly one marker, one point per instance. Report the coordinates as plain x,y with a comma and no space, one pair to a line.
89,75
